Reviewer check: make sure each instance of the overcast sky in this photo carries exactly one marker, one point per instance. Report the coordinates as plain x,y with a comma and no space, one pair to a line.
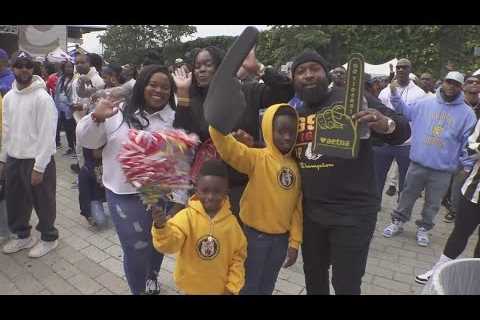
92,44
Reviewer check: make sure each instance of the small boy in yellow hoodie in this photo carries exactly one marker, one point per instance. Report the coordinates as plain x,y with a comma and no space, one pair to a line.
210,243
271,205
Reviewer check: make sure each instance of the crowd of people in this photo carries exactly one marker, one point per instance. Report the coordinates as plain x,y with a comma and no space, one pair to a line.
260,192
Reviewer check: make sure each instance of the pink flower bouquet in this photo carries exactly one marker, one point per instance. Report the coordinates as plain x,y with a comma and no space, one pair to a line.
158,162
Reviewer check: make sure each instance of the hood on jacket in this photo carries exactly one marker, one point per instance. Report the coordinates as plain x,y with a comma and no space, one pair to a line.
458,100
37,83
267,127
222,214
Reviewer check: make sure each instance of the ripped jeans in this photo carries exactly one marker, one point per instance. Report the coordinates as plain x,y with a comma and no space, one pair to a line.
133,225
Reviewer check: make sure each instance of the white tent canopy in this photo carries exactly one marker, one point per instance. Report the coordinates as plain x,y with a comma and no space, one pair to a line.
378,70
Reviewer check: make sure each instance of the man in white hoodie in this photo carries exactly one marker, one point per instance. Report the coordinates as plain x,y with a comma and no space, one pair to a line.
85,85
384,155
28,145
86,82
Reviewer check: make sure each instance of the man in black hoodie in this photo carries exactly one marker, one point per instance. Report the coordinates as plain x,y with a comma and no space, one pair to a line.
341,200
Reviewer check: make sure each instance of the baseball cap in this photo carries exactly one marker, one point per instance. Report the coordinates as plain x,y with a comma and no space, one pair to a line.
179,60
21,56
367,78
456,76
404,62
3,54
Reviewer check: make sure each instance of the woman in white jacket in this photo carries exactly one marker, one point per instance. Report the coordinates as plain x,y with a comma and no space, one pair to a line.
151,107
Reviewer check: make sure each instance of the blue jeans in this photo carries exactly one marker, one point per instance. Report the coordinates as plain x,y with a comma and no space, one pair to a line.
133,225
88,190
384,157
265,256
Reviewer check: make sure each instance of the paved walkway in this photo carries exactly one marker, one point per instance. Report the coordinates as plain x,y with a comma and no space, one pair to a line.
88,261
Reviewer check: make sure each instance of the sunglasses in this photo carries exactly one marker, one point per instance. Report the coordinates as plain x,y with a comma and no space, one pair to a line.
472,81
23,64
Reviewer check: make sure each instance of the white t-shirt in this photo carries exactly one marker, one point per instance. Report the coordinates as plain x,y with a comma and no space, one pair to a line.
409,94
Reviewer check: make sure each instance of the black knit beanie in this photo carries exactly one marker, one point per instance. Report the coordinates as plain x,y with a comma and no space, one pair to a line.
309,56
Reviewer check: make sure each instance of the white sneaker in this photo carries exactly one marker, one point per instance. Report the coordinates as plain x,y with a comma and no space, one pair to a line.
15,245
42,248
422,237
423,278
393,229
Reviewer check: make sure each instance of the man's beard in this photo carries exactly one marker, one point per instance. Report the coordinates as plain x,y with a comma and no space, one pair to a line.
21,80
313,95
448,98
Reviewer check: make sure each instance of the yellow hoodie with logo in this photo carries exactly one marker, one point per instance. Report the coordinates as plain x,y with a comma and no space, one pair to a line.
272,200
211,252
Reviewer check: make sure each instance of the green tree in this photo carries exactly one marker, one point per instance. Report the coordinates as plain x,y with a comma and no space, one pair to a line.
129,43
429,47
185,50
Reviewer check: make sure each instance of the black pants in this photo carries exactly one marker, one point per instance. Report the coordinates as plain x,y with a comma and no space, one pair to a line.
235,194
466,221
345,248
69,127
21,197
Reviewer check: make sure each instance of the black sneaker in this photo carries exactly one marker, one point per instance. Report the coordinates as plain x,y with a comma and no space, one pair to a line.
391,191
75,168
152,287
449,217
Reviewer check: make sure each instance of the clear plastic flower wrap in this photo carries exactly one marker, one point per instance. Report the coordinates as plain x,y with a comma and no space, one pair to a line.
157,163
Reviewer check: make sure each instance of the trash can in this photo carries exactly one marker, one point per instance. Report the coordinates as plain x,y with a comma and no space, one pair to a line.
456,277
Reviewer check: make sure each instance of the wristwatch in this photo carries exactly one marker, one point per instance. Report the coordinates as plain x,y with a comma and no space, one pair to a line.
261,70
390,126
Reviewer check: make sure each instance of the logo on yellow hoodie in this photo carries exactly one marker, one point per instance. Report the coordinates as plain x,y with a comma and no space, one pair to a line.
286,178
208,247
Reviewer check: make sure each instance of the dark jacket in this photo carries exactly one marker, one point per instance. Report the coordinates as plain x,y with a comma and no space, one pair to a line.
275,89
339,191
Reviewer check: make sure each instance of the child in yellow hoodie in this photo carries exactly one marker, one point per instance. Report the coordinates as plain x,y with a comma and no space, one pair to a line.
210,243
271,205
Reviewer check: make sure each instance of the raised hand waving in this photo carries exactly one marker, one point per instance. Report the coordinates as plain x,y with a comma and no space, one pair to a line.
225,101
